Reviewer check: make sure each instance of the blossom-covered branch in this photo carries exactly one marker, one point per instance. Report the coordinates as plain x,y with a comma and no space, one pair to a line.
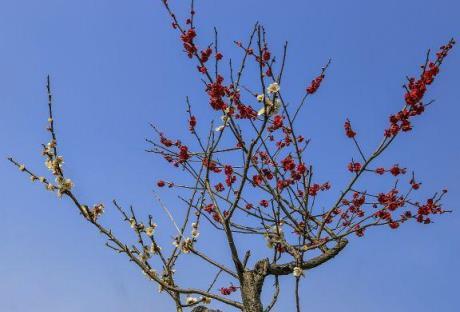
248,175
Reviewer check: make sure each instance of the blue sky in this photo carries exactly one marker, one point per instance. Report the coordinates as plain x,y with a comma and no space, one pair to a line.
117,65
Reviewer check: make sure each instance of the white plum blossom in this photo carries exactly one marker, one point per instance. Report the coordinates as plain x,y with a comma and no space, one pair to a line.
132,223
273,88
150,273
176,242
297,272
220,128
195,232
191,300
97,211
63,185
260,97
272,109
206,300
54,164
187,245
150,230
224,119
154,249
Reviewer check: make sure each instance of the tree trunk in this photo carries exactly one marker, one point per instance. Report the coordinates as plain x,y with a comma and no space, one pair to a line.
251,287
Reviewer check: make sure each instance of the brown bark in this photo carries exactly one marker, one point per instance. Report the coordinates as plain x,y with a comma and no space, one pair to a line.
287,268
251,287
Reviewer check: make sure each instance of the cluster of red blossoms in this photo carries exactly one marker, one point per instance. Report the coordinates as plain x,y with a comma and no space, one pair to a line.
350,213
211,165
414,185
263,61
249,206
276,124
205,54
165,141
430,207
228,290
217,92
187,39
264,203
287,140
245,111
354,167
391,202
161,183
315,188
211,209
315,84
395,170
215,89
219,187
183,154
229,177
415,90
348,130
204,57
192,123
354,209
289,165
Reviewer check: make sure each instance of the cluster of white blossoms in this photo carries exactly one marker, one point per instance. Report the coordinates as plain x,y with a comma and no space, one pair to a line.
150,273
297,272
191,300
154,248
140,227
63,185
54,164
48,149
132,223
176,241
149,251
97,211
274,235
225,118
150,230
166,279
195,232
186,245
272,108
273,88
144,255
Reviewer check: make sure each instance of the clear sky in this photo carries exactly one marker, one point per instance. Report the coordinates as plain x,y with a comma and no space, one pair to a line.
117,65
